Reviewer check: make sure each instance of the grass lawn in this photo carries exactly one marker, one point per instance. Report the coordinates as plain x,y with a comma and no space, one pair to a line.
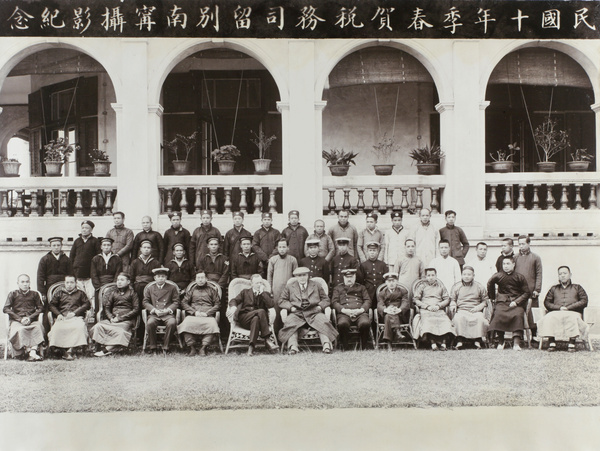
403,378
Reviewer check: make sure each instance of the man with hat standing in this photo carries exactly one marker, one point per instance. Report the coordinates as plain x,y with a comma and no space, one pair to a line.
371,233
161,301
265,240
53,266
175,234
343,229
180,268
317,266
142,267
370,272
351,302
122,239
84,249
147,234
232,242
106,266
245,263
214,264
393,309
394,241
295,235
199,240
343,260
305,301
326,244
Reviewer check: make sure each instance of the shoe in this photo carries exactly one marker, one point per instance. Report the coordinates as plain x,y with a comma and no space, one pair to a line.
443,347
459,345
571,348
193,351
102,353
552,347
516,347
202,351
434,347
270,342
165,352
400,336
68,356
327,351
293,351
477,345
250,350
389,347
500,346
33,356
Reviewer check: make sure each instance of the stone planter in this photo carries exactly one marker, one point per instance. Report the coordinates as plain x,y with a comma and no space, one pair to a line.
547,166
53,168
383,169
181,167
101,168
262,166
339,170
11,168
502,166
577,166
427,168
226,167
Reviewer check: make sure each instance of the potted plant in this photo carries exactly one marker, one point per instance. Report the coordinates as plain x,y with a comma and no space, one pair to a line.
262,164
339,161
427,158
225,157
10,166
181,147
56,153
383,150
101,162
503,159
581,161
552,141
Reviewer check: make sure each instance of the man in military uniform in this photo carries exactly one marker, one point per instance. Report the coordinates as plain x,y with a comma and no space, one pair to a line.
155,239
265,241
295,235
246,262
175,234
351,302
232,243
370,272
53,266
105,268
317,266
214,263
343,260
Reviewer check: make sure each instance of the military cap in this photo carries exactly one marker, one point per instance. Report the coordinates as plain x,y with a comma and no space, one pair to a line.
206,212
237,213
178,244
246,238
55,238
161,270
396,214
469,267
175,214
313,242
266,215
373,215
390,275
88,222
212,238
348,272
301,270
373,244
110,240
146,241
294,212
342,240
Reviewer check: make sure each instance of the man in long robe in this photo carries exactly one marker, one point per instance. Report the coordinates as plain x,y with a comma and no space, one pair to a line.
470,299
447,268
483,266
280,270
426,237
410,268
394,241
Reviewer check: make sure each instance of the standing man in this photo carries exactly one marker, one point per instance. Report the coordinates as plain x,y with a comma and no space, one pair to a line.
370,234
326,246
106,266
280,270
53,266
84,249
507,251
232,244
175,234
530,265
342,261
484,267
426,237
161,301
245,263
352,303
122,239
180,268
214,264
370,272
142,268
459,244
147,234
394,241
295,234
447,268
410,267
199,240
265,240
317,265
343,229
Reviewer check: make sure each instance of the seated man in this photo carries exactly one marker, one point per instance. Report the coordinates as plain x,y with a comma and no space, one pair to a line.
121,308
160,301
250,308
201,305
23,307
69,306
565,303
432,323
306,301
509,305
394,308
471,299
351,302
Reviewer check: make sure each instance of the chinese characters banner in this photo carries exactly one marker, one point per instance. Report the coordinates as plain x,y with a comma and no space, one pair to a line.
510,19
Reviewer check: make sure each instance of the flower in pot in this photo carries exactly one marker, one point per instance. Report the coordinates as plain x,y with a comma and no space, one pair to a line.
427,158
503,158
552,141
10,166
339,161
181,147
225,157
56,153
581,161
383,150
101,162
262,164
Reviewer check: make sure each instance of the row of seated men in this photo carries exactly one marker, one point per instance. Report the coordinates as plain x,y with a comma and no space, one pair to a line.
306,303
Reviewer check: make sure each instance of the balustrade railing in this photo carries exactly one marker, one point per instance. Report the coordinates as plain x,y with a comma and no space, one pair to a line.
364,194
221,194
556,191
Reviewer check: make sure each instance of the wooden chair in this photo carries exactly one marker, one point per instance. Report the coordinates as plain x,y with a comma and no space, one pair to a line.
215,286
588,318
238,336
8,347
307,336
405,329
160,330
102,293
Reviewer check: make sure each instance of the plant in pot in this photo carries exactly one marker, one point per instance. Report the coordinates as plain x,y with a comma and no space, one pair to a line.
56,153
581,161
225,157
262,163
339,161
427,158
181,147
101,162
552,141
10,166
503,159
383,150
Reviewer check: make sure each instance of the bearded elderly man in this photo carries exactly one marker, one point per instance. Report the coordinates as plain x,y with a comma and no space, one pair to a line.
305,301
25,331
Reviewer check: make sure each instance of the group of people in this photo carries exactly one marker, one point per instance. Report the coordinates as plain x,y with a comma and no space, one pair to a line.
300,276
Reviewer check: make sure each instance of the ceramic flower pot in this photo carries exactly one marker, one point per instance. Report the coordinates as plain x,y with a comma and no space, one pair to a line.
226,167
181,167
11,168
577,166
427,168
101,168
383,169
262,166
53,168
502,166
547,166
339,170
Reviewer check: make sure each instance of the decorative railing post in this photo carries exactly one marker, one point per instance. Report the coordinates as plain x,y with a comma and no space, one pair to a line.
62,208
404,201
419,203
435,205
258,202
331,205
227,204
272,203
212,205
3,204
375,204
243,201
360,205
493,200
346,205
19,212
48,205
521,199
389,200
564,198
198,201
549,197
183,204
578,205
536,199
34,204
169,204
78,203
94,204
593,199
109,203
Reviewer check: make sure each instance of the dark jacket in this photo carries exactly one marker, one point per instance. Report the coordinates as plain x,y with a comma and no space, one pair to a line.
21,305
181,273
511,287
295,238
122,303
105,273
397,298
81,256
216,268
264,242
231,243
339,263
459,244
201,299
319,267
198,244
166,297
573,297
64,302
244,267
52,270
158,247
142,272
173,237
246,302
370,274
353,297
499,260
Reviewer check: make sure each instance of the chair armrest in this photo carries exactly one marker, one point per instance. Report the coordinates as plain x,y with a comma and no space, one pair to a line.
272,315
50,319
144,316
327,313
284,314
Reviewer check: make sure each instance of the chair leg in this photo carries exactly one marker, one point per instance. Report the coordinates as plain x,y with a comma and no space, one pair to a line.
144,342
6,349
589,343
541,343
229,339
